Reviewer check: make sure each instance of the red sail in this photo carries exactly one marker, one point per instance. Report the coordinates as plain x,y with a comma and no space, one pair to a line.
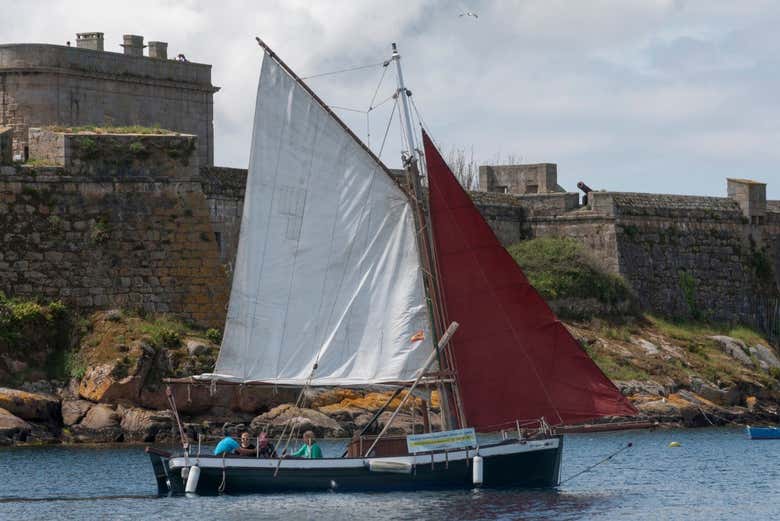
514,359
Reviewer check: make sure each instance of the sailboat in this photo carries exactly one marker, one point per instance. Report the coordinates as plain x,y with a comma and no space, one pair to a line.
346,276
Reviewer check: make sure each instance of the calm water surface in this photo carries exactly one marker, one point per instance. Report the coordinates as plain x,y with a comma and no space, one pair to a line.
716,474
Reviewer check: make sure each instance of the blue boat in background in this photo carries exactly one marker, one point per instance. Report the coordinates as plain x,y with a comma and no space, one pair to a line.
763,433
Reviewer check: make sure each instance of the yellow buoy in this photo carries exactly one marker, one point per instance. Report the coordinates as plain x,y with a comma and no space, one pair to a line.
674,444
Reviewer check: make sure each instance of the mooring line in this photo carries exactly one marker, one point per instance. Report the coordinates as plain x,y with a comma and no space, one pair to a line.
588,469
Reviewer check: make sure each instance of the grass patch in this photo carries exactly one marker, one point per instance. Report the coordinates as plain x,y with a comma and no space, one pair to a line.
683,331
617,332
560,268
164,331
96,129
748,335
692,331
614,368
40,163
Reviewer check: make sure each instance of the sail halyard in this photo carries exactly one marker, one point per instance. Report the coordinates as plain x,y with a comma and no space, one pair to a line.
327,274
515,361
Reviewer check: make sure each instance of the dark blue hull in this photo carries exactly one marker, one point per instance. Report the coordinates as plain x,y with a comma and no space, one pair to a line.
502,467
763,433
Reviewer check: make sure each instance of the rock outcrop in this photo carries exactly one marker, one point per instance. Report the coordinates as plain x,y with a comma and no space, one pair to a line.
767,358
144,425
731,395
275,420
633,387
100,424
121,379
34,407
73,411
12,428
734,348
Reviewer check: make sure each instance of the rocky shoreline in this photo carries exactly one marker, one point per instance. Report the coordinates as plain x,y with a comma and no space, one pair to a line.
34,418
112,388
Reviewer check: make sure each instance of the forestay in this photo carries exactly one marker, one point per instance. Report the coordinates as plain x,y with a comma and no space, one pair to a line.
327,269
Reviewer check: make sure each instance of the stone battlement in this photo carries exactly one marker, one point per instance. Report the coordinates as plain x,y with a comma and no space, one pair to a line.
42,84
96,153
663,205
40,57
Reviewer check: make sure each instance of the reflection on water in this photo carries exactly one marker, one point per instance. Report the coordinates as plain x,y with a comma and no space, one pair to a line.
715,474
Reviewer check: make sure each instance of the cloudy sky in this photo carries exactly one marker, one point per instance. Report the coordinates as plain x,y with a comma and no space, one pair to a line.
647,95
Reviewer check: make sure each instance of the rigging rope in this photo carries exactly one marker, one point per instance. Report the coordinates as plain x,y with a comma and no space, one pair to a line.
338,107
360,67
588,469
387,129
376,91
421,120
371,106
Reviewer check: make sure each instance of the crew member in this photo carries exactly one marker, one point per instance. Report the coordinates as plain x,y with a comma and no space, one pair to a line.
309,449
246,448
266,447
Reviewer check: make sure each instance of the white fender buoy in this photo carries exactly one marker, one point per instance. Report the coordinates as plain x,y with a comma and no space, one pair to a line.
477,476
192,480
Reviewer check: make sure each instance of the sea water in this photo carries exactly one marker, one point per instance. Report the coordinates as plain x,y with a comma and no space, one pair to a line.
715,474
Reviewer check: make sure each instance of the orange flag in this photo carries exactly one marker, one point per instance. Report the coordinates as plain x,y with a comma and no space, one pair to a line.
419,336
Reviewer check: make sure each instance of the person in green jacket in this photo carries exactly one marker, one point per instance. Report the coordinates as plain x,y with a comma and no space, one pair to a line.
309,449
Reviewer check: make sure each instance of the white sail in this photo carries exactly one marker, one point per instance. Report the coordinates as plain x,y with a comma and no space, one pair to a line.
327,269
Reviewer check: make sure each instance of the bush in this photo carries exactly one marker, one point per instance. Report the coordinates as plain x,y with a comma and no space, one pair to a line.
166,337
89,148
137,148
560,268
57,310
100,231
214,335
688,288
75,366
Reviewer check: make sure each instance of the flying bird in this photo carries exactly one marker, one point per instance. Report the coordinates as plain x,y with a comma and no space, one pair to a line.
468,13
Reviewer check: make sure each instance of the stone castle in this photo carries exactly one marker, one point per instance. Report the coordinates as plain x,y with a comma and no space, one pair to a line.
106,220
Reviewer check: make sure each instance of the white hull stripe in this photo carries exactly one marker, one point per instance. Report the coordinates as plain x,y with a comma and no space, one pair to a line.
344,463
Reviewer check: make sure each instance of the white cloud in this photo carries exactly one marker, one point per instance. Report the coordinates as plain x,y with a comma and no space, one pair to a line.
655,95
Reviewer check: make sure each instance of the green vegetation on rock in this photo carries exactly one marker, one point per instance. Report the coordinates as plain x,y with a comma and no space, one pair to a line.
35,336
164,331
214,335
40,163
692,331
96,129
560,269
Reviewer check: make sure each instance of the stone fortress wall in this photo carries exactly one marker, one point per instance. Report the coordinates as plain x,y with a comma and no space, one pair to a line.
85,85
146,221
106,227
115,221
685,256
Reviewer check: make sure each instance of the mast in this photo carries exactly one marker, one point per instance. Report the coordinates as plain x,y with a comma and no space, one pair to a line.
447,392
